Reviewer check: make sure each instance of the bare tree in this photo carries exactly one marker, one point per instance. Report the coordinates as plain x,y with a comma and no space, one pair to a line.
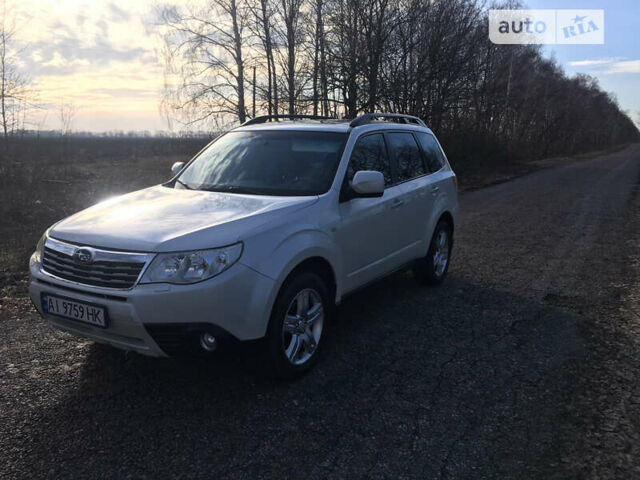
430,58
292,38
319,75
14,86
262,28
346,51
66,114
379,21
205,58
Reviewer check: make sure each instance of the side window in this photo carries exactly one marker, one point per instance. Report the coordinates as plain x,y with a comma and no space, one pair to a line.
370,153
433,155
407,154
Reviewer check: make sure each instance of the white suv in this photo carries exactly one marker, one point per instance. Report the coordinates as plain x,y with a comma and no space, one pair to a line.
260,235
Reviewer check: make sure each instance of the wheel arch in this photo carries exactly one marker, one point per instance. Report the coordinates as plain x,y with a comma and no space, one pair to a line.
432,223
447,217
319,265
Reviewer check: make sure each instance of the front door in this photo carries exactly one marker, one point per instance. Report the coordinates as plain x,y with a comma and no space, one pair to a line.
370,230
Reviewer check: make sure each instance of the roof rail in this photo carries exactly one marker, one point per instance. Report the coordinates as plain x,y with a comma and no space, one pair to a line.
394,117
269,118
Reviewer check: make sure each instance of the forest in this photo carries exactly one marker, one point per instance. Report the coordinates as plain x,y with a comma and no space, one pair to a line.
229,60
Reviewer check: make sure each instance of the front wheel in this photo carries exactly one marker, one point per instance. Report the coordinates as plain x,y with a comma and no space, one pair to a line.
432,269
297,324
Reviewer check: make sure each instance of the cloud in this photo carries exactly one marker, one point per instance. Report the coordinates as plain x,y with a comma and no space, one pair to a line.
98,55
81,19
614,65
126,92
117,87
64,57
630,66
591,63
103,27
64,44
118,14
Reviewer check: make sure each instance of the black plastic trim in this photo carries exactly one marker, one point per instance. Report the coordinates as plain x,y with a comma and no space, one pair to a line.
179,339
397,117
269,118
116,298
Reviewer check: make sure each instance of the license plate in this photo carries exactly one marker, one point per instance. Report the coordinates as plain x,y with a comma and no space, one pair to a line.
74,310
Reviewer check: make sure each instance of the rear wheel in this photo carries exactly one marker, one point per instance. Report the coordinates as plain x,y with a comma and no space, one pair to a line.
432,269
297,325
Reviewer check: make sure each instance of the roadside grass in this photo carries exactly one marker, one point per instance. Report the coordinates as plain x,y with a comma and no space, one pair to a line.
476,175
43,185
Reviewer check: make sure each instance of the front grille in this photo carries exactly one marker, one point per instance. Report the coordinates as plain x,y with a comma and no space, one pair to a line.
100,273
115,298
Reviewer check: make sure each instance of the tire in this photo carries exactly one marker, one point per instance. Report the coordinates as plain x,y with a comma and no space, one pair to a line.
297,325
430,269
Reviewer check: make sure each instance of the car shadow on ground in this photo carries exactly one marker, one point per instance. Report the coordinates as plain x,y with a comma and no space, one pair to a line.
459,380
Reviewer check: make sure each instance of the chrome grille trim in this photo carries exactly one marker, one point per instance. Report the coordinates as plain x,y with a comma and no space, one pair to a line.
109,269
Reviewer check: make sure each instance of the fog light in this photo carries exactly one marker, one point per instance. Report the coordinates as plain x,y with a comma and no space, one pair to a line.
208,342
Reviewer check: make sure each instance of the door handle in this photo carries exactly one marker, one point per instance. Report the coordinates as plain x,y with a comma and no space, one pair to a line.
397,203
435,190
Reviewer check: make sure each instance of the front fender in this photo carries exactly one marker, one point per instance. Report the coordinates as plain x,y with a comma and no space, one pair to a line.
291,251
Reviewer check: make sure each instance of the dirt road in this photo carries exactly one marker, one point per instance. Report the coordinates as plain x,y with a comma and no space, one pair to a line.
523,364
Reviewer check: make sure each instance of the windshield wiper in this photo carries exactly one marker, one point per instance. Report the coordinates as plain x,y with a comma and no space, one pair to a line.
233,189
184,184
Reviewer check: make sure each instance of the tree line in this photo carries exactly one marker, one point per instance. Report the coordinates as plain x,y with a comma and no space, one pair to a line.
230,60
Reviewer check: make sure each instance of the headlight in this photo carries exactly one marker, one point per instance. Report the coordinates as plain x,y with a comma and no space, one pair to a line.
37,255
191,267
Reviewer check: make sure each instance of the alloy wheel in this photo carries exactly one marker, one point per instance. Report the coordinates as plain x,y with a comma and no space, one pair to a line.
302,326
441,253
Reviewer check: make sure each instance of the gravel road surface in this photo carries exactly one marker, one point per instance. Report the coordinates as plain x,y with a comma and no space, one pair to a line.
524,364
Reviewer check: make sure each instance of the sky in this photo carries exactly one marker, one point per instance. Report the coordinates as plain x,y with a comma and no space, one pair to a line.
103,57
616,63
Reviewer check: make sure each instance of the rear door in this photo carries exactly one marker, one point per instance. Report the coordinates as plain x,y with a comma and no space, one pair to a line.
441,179
370,231
413,176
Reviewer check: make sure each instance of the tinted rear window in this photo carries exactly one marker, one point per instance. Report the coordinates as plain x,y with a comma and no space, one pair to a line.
405,150
432,152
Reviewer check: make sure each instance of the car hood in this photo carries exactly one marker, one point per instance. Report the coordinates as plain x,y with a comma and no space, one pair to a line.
162,219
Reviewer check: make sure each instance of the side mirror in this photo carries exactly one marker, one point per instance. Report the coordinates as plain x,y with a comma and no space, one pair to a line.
368,183
176,168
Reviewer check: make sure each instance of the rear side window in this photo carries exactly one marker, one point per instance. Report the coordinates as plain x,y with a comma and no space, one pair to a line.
370,153
407,154
433,155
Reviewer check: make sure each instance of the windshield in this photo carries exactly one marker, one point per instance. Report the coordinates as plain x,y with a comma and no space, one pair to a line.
266,162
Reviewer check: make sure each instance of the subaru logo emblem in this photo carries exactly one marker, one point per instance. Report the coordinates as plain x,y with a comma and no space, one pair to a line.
83,255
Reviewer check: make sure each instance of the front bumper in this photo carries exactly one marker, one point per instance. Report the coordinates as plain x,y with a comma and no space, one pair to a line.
235,303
